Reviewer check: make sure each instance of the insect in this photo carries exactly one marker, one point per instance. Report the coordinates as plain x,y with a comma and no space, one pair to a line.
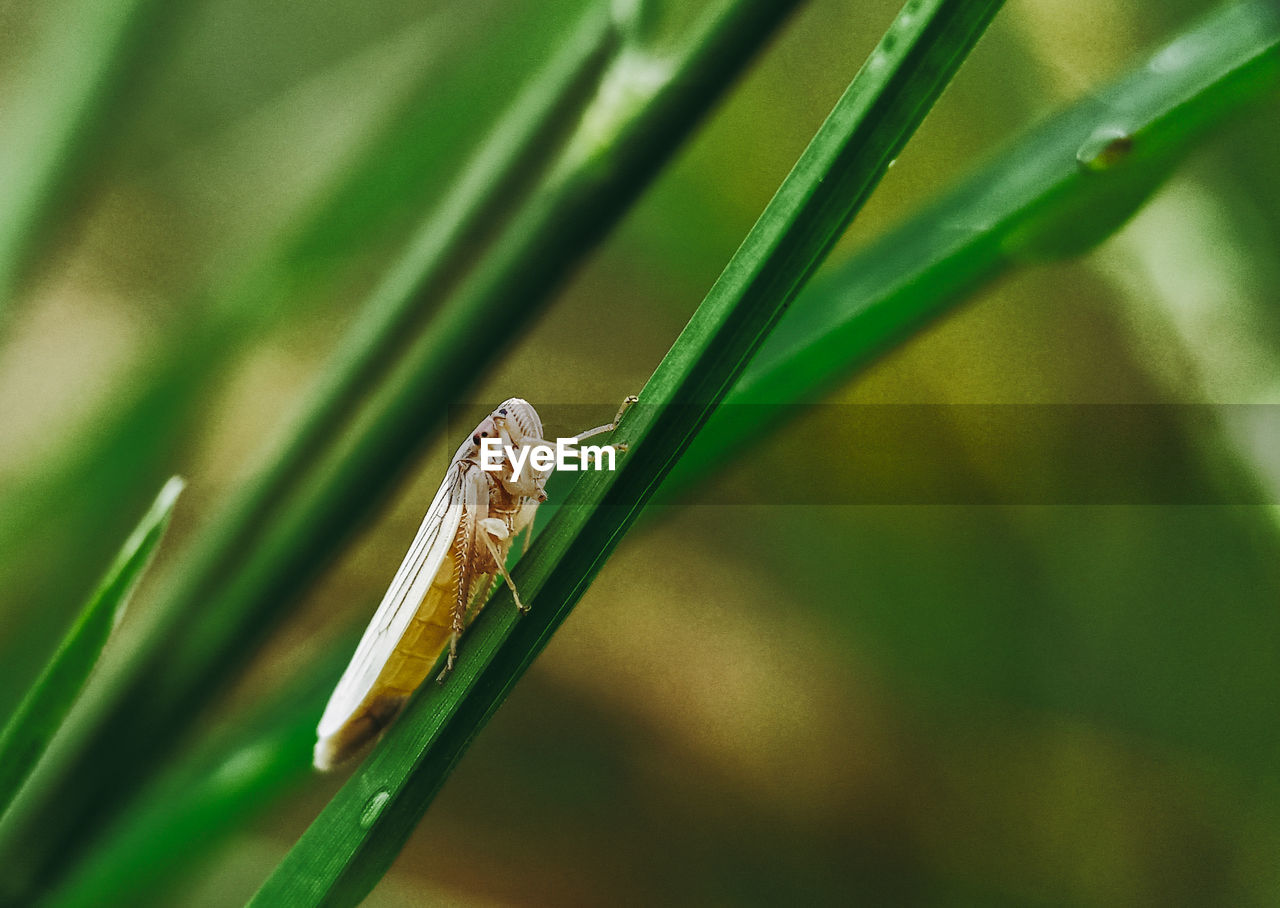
461,545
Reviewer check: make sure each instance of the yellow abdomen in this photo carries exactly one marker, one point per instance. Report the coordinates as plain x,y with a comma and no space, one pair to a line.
427,636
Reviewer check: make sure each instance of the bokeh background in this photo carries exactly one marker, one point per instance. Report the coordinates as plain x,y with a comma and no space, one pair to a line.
760,701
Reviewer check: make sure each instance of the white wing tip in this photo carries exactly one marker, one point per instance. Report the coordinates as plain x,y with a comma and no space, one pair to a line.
340,740
325,757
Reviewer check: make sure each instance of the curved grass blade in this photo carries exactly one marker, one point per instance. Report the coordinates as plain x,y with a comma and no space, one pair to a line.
254,565
87,48
1062,188
1236,67
42,711
351,844
115,462
183,815
508,159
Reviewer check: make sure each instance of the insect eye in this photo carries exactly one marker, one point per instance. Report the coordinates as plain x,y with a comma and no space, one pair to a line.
502,412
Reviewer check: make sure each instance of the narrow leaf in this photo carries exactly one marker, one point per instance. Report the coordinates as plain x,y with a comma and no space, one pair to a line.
159,407
188,810
41,713
1064,187
76,71
274,540
1236,67
355,839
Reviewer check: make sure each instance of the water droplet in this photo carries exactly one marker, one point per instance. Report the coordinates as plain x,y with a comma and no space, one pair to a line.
892,161
373,807
1106,147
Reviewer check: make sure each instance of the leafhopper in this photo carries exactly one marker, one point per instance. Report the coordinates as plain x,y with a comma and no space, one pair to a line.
460,547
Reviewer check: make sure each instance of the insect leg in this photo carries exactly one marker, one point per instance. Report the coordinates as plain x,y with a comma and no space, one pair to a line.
475,503
493,528
609,427
481,595
523,523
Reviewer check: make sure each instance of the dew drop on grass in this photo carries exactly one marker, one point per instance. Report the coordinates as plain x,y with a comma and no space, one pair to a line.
1106,147
373,807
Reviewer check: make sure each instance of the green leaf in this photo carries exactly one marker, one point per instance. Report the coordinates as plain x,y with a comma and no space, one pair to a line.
79,496
46,705
87,47
1235,67
195,802
356,837
253,562
1059,190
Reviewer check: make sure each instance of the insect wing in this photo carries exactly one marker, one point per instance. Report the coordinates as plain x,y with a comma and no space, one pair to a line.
408,588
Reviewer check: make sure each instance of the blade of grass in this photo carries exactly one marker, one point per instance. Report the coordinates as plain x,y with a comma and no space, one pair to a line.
87,49
508,159
42,711
181,817
1064,187
1229,72
248,572
78,498
351,844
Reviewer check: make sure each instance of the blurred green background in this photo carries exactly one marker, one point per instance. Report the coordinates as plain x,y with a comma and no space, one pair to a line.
1011,702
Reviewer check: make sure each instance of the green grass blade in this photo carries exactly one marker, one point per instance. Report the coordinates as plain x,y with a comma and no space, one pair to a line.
49,122
347,849
42,711
1062,188
113,465
1231,71
510,156
198,801
250,570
